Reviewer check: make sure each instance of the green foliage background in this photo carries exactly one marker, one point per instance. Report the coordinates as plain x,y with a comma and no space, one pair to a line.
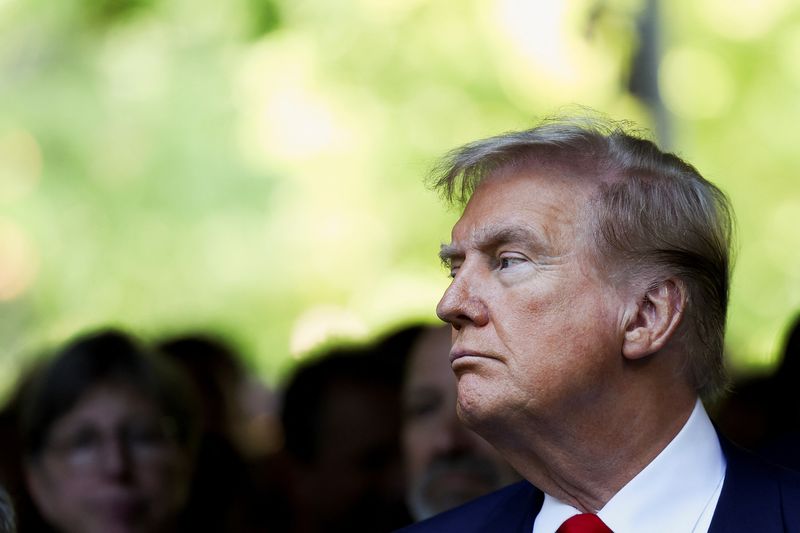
255,166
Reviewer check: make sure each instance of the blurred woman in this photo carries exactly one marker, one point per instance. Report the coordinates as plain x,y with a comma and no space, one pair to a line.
108,434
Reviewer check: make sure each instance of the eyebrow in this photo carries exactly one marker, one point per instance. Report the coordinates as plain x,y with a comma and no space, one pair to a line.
491,237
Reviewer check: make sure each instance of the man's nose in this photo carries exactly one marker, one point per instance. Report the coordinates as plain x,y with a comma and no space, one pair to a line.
461,304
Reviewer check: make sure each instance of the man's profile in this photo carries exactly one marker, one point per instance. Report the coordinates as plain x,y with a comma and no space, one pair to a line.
590,278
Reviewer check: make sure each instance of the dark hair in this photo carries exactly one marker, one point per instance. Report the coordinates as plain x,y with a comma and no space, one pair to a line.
310,387
652,216
213,368
397,343
105,357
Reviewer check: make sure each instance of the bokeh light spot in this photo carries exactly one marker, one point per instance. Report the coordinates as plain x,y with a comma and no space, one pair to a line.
285,114
541,58
321,324
742,20
537,30
18,261
695,83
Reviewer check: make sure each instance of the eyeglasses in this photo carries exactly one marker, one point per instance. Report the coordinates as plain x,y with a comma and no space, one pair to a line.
87,447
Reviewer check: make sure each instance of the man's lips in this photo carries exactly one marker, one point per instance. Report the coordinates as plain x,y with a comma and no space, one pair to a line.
460,354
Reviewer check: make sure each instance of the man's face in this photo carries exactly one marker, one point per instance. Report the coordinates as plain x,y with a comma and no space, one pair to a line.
446,463
536,330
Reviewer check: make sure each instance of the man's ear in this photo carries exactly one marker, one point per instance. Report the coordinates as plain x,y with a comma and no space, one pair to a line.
656,318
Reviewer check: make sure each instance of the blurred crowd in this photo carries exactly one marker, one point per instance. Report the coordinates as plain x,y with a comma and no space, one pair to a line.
110,434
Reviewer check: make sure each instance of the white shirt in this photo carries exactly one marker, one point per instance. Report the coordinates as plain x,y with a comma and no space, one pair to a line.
676,493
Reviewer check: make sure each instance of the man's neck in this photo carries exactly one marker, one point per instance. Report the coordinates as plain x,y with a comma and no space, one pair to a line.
585,468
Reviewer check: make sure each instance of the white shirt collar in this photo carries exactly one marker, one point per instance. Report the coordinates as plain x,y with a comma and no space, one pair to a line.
677,491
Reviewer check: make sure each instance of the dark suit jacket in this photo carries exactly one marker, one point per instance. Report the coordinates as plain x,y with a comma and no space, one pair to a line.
756,497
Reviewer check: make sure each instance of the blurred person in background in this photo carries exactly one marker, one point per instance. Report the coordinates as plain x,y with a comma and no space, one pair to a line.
763,413
108,432
11,471
234,431
234,404
341,422
7,520
446,463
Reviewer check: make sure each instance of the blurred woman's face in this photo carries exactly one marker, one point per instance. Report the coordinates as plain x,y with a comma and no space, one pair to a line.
110,465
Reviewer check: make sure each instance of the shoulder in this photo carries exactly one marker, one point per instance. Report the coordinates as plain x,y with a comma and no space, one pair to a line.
509,509
756,495
757,472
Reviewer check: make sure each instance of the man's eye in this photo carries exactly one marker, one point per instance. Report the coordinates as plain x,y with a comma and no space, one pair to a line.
506,262
452,268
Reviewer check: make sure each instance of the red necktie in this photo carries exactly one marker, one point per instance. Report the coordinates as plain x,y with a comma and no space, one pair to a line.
584,523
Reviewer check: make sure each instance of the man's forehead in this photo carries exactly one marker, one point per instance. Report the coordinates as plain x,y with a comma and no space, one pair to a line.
519,206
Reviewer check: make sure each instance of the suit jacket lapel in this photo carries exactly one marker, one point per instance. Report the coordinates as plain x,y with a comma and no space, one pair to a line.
517,513
523,522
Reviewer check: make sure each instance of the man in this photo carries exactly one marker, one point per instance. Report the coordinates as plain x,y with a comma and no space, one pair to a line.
590,284
446,463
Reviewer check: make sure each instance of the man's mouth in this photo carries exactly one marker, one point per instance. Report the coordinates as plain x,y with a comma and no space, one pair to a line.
460,354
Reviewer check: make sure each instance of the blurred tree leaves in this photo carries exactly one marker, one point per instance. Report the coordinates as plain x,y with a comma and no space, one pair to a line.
256,166
106,13
263,17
